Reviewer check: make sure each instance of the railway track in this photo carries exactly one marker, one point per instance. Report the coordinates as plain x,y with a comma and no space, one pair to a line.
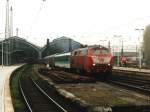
39,96
139,85
142,85
65,77
36,99
134,83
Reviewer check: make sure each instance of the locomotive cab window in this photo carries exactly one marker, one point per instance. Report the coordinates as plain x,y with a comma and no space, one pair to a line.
83,52
98,51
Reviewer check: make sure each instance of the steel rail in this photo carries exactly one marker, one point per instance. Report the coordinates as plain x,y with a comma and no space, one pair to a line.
138,81
139,88
24,97
42,91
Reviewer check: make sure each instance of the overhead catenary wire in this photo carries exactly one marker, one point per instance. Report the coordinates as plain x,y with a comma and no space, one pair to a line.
36,16
126,24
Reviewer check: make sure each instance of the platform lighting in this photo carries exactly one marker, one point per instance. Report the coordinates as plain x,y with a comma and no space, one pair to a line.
139,39
2,54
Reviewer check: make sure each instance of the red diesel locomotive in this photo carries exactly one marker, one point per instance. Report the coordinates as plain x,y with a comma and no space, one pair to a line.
94,59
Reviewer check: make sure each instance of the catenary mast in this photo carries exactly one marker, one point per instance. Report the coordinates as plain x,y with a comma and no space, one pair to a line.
11,23
8,31
7,20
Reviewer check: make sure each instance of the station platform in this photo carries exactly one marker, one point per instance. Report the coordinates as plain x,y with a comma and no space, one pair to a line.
5,97
131,69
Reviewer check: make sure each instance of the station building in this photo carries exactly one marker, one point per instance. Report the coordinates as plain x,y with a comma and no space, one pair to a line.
60,45
16,50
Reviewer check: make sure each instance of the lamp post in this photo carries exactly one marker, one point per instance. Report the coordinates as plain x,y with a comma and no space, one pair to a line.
140,54
2,51
2,54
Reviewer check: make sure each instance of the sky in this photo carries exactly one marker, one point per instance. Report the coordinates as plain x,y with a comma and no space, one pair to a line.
86,21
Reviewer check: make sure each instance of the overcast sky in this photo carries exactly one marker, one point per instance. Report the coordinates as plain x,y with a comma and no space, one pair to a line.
86,21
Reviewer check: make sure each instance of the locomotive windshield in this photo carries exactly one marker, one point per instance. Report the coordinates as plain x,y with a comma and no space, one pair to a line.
100,51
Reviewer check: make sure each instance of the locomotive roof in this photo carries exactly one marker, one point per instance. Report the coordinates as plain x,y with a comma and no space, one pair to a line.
95,46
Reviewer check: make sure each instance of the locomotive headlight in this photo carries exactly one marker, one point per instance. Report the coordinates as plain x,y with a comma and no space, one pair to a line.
108,64
94,64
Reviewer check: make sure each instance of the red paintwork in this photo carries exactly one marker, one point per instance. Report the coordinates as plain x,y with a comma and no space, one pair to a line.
85,62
